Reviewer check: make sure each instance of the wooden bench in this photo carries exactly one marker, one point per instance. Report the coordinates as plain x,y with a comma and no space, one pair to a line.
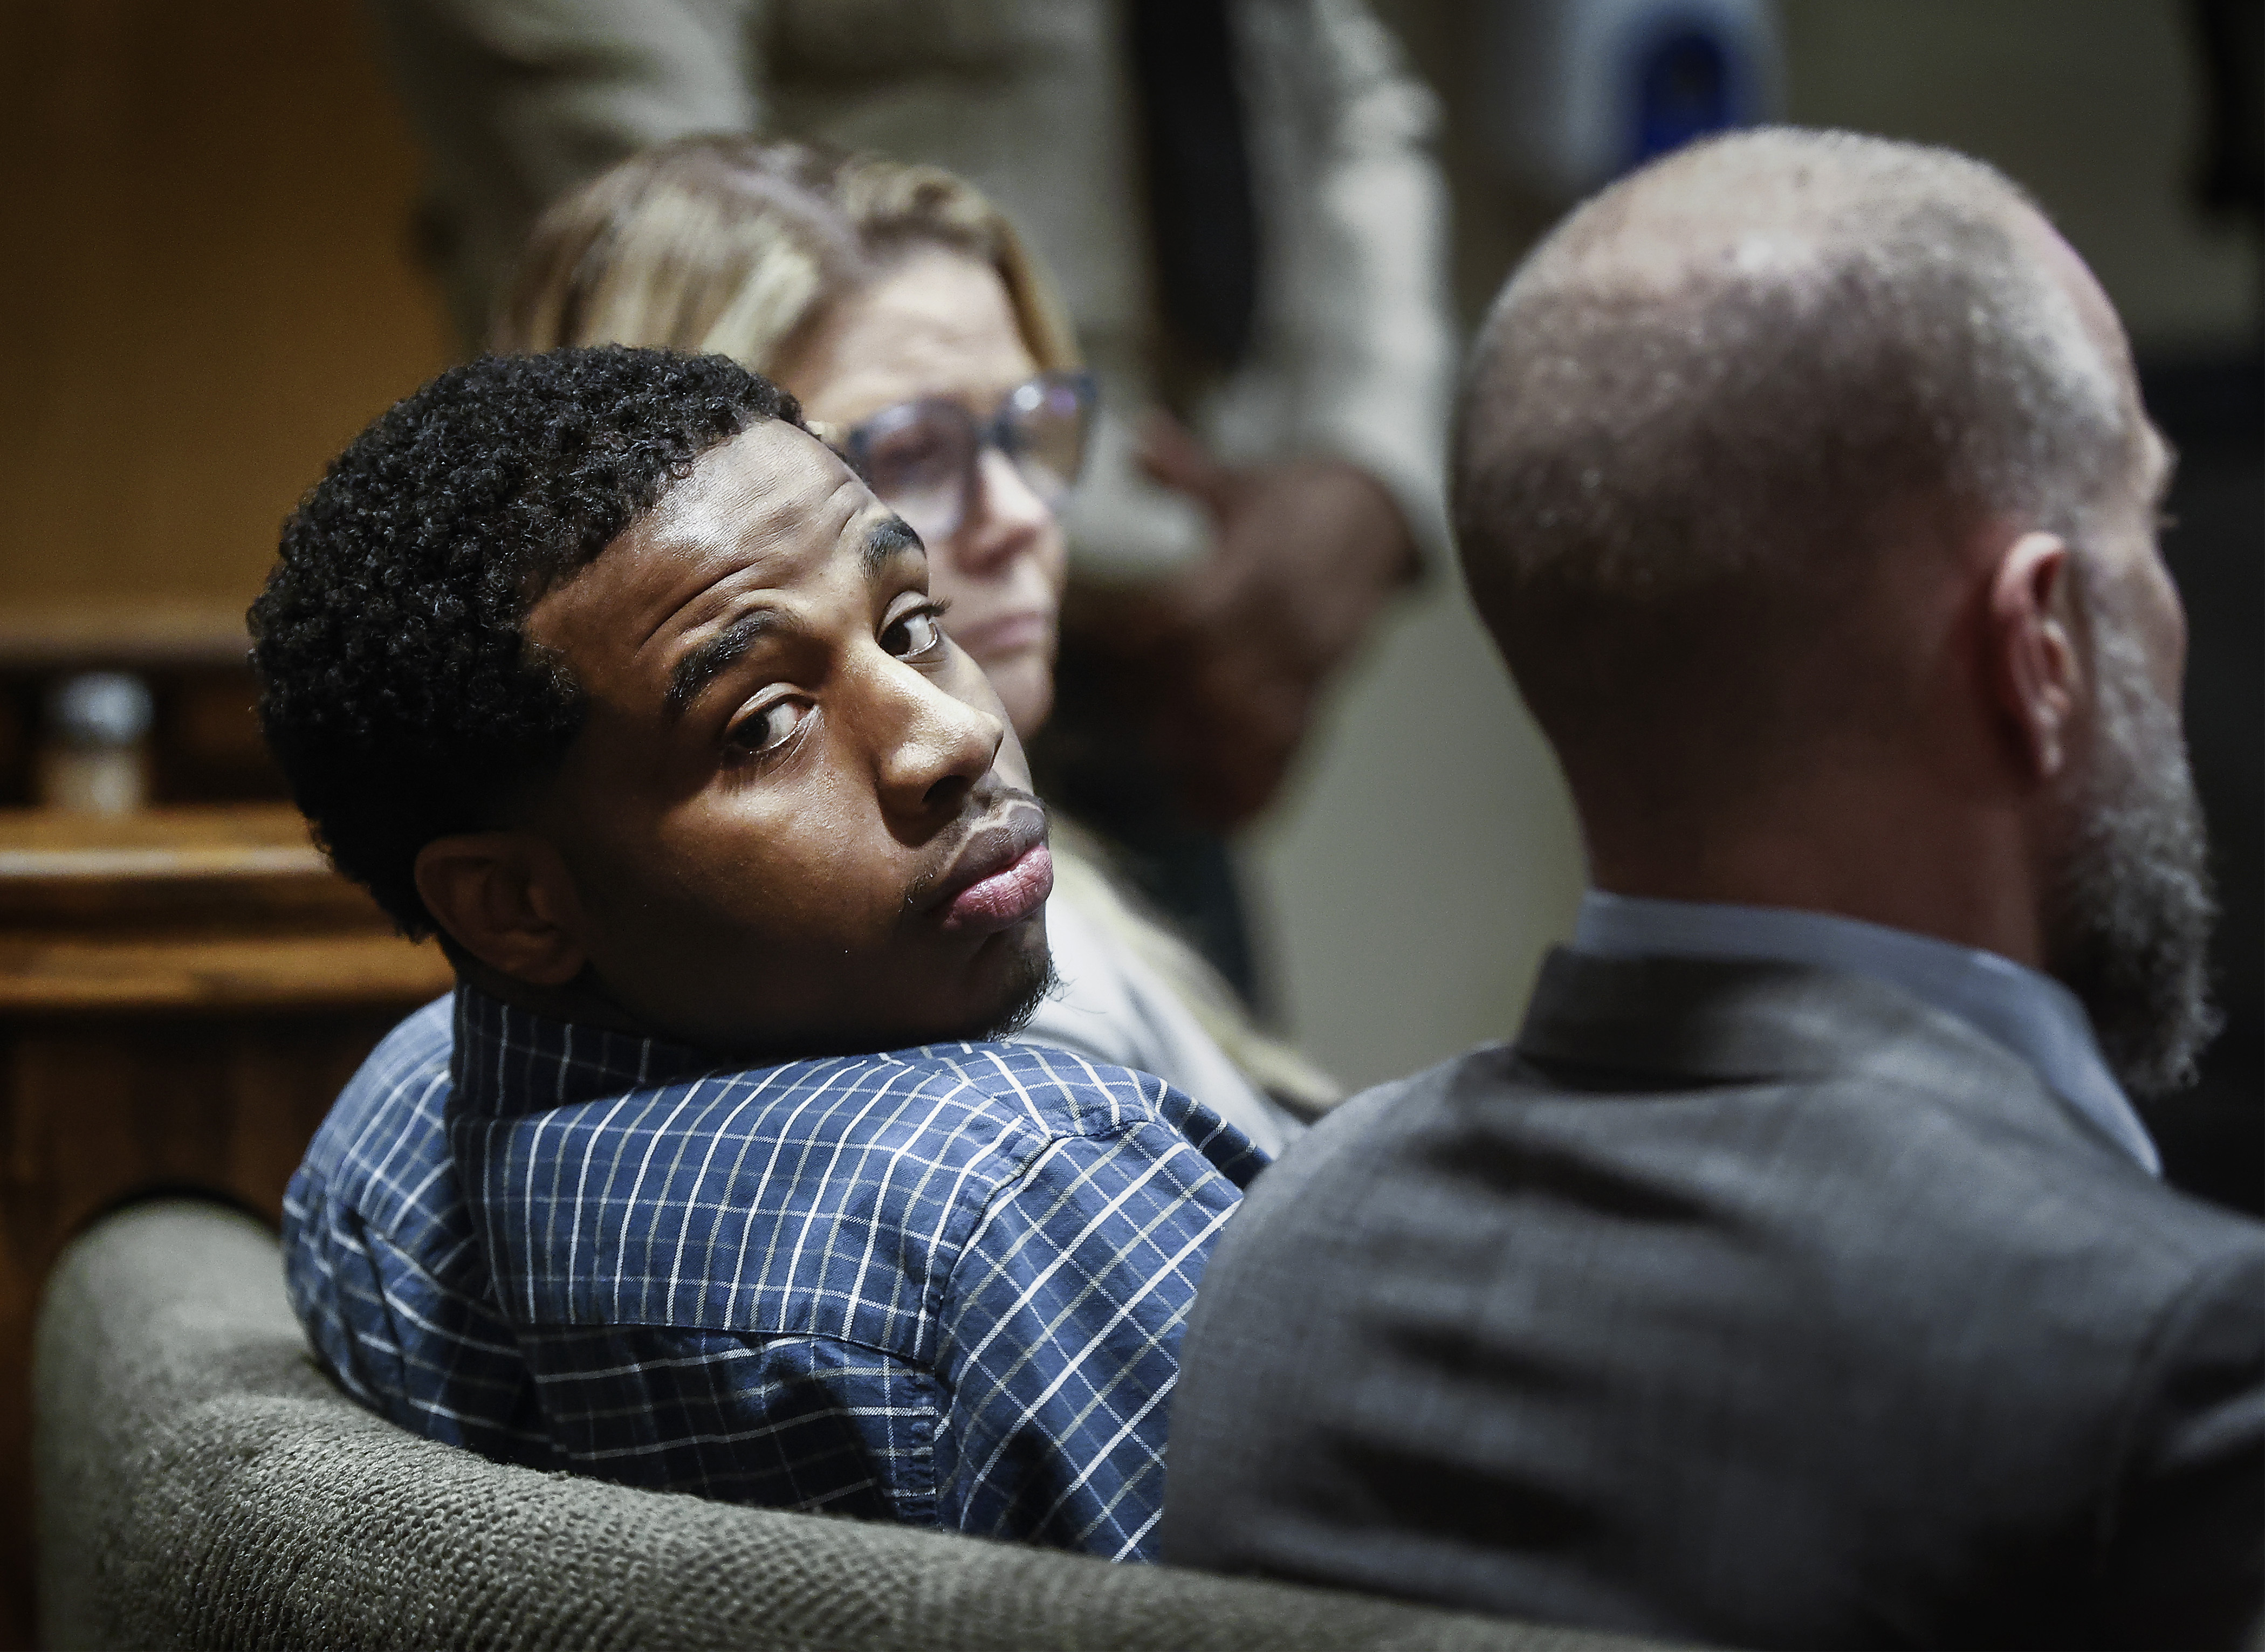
182,994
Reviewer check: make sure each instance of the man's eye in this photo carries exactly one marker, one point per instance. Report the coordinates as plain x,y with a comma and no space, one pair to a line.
768,727
915,636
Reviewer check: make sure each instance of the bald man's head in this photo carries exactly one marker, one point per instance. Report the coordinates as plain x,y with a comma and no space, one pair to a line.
1802,479
1717,414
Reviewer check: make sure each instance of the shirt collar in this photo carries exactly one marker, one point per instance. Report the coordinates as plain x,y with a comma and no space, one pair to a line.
2031,1014
509,1061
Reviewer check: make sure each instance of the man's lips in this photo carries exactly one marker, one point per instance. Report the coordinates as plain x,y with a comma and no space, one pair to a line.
1001,874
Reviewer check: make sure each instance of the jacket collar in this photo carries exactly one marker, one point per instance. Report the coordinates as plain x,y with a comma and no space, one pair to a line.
1709,1021
2027,1012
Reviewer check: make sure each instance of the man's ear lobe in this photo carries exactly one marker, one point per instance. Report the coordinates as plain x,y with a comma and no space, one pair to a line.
2033,667
507,899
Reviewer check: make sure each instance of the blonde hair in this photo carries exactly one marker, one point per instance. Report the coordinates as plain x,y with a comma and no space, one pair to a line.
731,246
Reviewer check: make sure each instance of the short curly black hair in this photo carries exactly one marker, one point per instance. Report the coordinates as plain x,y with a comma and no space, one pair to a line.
398,689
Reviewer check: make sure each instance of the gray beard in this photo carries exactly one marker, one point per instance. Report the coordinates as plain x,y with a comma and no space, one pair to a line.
2129,919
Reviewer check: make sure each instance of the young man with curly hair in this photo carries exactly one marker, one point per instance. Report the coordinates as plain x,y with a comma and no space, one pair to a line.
597,663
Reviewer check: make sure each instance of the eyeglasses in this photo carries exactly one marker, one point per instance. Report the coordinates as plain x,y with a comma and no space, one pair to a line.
920,457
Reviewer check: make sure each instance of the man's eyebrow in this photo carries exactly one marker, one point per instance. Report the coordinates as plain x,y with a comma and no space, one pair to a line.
707,660
889,540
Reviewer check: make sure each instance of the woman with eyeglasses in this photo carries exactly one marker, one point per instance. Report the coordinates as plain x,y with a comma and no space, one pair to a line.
926,347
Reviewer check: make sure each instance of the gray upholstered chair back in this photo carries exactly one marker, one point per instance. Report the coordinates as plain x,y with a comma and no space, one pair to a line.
201,1484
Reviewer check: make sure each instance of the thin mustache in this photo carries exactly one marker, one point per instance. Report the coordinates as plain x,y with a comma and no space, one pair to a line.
998,830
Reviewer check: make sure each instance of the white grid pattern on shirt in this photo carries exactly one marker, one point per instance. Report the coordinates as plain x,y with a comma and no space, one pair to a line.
939,1285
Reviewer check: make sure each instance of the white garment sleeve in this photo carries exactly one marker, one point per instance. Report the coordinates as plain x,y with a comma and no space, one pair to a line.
1109,1005
1356,322
517,101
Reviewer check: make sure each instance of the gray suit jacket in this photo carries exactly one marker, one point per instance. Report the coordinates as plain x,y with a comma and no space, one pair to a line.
1744,1303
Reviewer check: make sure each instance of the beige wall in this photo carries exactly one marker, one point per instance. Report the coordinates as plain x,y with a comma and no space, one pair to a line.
1428,855
1427,859
2094,105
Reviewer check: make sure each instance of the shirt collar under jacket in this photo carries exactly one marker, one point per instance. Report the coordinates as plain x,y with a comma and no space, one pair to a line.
2031,1014
510,1061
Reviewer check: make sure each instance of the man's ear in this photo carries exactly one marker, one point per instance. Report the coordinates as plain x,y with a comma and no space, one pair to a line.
507,899
2035,669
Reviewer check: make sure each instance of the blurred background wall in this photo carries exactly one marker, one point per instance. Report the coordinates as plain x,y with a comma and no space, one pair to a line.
212,283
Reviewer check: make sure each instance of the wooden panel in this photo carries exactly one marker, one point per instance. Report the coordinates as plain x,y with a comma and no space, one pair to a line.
208,283
111,631
205,744
184,876
210,289
182,994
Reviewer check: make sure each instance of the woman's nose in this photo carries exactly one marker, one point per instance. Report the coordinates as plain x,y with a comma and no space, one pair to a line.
1004,520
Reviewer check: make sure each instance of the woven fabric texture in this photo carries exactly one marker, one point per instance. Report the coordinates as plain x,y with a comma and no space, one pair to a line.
202,1485
941,1285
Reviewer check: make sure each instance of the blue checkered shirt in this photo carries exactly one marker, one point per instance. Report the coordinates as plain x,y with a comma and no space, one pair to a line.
943,1285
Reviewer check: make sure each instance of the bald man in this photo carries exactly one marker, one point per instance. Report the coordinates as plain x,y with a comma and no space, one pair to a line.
1801,1276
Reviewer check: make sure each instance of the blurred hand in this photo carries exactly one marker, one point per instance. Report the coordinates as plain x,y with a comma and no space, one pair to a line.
1231,655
